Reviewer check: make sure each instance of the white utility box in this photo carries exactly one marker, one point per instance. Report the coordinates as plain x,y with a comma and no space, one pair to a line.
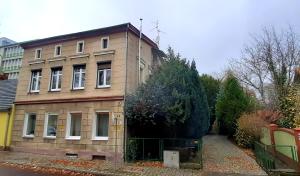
171,158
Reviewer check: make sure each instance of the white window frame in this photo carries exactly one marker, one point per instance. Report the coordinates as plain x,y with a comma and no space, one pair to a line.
36,51
80,78
99,138
77,48
68,126
57,80
103,38
39,76
46,125
55,49
104,81
26,125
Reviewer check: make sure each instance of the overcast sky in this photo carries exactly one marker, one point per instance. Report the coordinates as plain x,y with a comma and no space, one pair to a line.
211,32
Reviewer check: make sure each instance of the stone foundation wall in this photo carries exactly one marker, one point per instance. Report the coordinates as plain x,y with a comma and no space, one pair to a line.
85,147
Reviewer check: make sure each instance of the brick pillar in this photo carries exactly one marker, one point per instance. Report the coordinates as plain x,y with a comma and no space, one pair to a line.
272,128
297,139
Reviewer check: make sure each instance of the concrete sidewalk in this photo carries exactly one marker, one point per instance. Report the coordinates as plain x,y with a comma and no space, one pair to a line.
220,157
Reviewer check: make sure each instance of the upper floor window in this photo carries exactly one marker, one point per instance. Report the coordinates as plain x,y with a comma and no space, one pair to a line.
104,42
78,77
57,51
80,47
56,74
36,77
104,74
38,53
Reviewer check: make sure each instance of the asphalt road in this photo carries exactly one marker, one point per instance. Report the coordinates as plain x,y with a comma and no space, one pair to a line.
11,171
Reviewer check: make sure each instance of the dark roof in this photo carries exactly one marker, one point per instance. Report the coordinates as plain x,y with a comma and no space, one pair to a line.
7,93
101,31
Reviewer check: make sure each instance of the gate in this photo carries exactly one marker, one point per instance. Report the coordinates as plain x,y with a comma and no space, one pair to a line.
151,149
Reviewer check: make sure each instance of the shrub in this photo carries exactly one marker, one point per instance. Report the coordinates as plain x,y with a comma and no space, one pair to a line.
243,138
132,149
232,101
172,101
249,128
297,116
288,108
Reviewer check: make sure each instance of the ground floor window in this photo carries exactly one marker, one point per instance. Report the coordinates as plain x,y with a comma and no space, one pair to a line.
100,126
29,125
73,126
50,125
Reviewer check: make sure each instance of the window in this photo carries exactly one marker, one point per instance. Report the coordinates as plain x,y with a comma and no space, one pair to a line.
104,42
100,126
38,53
56,74
36,77
80,47
57,51
50,125
104,74
78,77
73,126
29,125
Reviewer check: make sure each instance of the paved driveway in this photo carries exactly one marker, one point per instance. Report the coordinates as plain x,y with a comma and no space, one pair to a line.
221,157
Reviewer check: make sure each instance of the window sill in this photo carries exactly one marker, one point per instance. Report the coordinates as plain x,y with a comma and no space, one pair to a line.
28,136
79,55
49,137
36,92
104,52
73,138
100,139
102,87
54,90
77,89
36,61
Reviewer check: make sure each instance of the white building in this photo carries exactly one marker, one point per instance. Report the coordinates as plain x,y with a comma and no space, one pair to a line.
11,55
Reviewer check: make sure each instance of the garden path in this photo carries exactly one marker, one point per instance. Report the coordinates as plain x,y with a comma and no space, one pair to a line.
222,157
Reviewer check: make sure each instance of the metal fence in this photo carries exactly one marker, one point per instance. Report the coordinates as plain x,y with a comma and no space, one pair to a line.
151,149
266,156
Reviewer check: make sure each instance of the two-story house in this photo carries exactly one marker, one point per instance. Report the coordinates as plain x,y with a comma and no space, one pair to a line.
70,95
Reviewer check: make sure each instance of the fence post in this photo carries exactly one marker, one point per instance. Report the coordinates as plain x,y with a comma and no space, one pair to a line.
272,128
297,139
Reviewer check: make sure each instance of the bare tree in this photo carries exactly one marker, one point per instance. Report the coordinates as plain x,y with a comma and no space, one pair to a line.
271,59
251,71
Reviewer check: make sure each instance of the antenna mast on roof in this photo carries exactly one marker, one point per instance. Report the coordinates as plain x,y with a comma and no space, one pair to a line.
140,38
158,31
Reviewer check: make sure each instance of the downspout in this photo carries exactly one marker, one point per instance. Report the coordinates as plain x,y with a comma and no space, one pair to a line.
125,93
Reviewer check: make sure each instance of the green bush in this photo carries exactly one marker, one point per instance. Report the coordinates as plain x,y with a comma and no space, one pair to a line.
243,138
232,102
288,108
132,149
172,103
249,127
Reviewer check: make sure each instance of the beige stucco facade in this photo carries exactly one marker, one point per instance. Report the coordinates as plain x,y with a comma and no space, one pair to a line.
122,52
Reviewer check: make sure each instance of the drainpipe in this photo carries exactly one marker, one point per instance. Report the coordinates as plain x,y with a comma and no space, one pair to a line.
125,93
